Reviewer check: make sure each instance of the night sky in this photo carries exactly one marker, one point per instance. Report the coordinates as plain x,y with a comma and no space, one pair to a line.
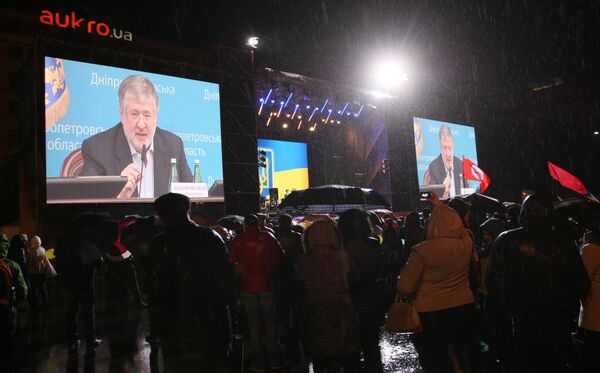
457,41
482,54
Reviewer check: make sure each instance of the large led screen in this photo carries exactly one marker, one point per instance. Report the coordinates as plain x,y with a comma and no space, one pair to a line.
115,135
283,165
440,148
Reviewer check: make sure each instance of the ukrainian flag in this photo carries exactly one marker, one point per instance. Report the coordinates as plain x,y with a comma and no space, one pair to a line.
56,91
287,166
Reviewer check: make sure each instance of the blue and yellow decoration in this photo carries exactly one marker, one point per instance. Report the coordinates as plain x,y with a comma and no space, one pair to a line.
286,167
57,94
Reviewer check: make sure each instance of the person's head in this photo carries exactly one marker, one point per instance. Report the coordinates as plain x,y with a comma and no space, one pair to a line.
355,225
262,219
445,222
3,245
251,222
172,208
412,219
389,223
36,242
538,213
446,146
285,222
138,107
18,242
322,235
591,237
512,215
463,208
491,228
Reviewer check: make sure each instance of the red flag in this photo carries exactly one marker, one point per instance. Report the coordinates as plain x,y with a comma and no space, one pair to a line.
566,179
472,172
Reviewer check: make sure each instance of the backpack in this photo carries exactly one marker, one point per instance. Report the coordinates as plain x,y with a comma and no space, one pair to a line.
7,289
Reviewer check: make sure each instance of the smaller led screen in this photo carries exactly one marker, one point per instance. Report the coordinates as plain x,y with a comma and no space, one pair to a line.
282,165
440,148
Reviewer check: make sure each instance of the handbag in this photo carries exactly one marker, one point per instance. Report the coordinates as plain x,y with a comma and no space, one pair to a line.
403,317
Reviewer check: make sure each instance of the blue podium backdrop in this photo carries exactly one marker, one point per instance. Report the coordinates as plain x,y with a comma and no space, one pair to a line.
286,166
82,99
427,144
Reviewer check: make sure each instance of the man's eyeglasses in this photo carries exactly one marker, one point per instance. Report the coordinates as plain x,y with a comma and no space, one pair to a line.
135,116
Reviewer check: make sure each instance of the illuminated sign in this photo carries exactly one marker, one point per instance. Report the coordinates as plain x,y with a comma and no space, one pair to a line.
74,22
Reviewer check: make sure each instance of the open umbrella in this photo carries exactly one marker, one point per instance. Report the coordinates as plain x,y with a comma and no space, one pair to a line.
584,211
232,222
483,203
333,199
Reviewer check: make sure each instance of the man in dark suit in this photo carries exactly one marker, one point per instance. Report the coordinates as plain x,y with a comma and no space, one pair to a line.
135,147
446,169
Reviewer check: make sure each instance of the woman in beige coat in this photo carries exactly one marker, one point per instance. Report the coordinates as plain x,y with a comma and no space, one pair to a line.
437,277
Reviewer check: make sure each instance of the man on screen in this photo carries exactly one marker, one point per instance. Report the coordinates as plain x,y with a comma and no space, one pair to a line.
135,147
446,169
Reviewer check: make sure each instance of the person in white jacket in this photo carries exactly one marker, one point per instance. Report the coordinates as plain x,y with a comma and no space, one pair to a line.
38,268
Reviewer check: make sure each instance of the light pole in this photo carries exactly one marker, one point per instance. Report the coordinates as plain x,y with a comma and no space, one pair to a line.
252,42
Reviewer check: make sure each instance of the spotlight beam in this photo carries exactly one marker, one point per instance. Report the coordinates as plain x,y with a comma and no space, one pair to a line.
313,113
324,104
344,109
359,111
327,120
288,99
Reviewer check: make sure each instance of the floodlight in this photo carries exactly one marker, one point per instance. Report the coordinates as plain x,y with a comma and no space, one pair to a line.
388,74
253,42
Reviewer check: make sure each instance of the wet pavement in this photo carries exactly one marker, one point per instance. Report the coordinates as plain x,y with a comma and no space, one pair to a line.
42,344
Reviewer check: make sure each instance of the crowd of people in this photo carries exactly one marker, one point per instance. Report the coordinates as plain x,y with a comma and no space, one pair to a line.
510,292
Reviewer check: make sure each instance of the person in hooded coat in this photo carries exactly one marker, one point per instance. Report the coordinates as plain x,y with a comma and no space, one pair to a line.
191,289
536,278
8,312
437,277
332,325
367,292
17,252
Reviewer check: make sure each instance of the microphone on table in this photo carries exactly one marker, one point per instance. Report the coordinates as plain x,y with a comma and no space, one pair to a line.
144,160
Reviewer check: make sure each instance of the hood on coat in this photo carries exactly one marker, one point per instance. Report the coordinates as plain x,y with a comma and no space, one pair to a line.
444,223
322,236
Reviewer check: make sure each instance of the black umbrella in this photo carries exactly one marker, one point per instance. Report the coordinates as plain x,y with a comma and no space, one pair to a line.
232,222
584,211
483,203
333,198
291,199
